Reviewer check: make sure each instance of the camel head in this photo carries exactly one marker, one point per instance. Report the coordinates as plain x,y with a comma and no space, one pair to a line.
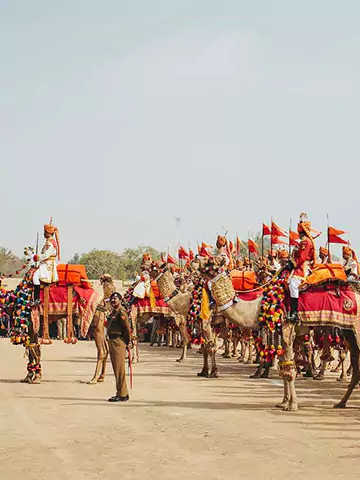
210,267
108,285
156,268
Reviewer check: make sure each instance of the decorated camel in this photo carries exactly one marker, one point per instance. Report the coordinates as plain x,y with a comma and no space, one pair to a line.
327,304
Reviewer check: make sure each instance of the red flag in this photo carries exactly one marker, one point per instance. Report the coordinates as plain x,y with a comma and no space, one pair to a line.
333,236
277,241
203,252
182,253
191,254
163,257
170,259
277,231
231,248
336,239
205,245
266,230
294,238
252,246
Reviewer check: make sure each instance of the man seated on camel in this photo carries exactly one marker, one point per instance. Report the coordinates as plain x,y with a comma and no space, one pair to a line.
50,255
350,264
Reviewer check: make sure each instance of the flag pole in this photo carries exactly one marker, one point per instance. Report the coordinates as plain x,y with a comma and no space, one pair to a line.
262,241
249,250
271,235
290,238
328,238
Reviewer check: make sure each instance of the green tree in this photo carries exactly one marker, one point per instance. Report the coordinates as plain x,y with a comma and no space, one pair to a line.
131,259
98,262
9,262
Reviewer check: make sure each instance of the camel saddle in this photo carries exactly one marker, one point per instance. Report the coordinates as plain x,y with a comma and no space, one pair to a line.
325,273
243,281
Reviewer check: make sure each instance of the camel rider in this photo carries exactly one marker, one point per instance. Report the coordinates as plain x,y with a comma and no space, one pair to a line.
350,264
273,264
302,259
143,283
48,259
221,251
283,256
323,255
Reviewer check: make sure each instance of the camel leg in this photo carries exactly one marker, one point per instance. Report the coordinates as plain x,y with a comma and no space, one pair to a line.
205,370
184,338
342,358
288,369
212,353
285,402
355,379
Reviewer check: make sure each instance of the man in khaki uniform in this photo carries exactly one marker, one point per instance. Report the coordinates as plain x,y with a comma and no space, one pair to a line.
118,331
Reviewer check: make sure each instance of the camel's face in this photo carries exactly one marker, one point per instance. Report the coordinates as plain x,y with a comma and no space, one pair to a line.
156,268
210,267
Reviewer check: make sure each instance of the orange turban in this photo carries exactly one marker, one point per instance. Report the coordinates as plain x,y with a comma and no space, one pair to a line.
146,257
51,230
221,241
347,251
324,251
272,253
283,253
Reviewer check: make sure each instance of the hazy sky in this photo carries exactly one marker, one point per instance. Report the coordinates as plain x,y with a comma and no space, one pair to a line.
117,116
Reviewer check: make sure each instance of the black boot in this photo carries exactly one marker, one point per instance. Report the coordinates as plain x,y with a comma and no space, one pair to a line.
294,303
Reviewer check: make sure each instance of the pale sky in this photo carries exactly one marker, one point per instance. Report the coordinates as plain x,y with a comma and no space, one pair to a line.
117,116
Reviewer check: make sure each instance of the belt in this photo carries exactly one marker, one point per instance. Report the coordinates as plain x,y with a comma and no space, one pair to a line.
112,336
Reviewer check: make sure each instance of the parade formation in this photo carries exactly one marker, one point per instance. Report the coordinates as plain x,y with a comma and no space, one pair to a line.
283,304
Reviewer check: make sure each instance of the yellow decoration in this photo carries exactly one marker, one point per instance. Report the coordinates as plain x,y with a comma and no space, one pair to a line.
205,312
152,299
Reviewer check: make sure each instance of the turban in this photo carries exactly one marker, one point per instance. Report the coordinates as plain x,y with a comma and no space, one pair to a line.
221,241
324,251
146,257
272,253
347,251
51,230
283,253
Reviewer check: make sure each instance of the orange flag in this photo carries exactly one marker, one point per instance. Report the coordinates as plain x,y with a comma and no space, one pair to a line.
335,231
170,259
252,246
277,241
191,254
294,238
238,246
277,231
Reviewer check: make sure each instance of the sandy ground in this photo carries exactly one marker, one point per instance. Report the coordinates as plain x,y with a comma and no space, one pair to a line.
176,426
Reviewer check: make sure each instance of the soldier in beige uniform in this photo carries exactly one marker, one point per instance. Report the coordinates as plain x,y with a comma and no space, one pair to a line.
119,334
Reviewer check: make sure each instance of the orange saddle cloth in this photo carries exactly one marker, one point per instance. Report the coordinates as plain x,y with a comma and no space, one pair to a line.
325,272
243,281
72,274
155,289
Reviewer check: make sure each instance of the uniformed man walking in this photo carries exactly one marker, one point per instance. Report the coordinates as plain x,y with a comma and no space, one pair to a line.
119,334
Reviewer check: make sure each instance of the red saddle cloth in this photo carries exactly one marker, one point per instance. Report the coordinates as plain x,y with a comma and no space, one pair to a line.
142,305
328,304
84,301
250,296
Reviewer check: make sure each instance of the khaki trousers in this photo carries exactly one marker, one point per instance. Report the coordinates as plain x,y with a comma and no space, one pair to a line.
117,349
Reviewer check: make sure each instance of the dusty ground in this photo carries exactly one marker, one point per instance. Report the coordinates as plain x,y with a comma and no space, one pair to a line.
175,426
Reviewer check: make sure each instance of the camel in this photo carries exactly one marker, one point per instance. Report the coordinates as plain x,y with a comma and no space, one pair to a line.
179,301
246,313
36,332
